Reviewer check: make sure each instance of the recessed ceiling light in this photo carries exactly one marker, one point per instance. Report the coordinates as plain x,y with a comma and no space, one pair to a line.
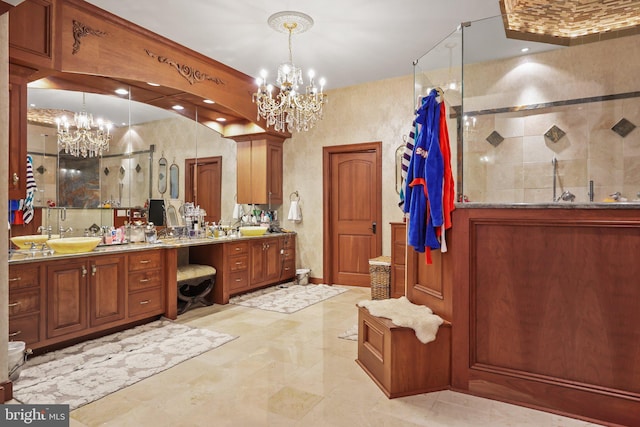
178,107
153,84
122,91
208,101
221,119
524,49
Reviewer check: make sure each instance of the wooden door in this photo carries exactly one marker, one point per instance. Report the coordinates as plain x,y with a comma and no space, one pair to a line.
203,185
353,212
66,298
106,289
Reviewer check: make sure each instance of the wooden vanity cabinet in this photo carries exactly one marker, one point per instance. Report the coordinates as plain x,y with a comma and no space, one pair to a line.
398,255
145,284
259,172
265,262
288,258
25,303
84,294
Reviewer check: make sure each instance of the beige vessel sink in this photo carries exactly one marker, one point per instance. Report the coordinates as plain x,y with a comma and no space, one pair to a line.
74,245
24,242
253,230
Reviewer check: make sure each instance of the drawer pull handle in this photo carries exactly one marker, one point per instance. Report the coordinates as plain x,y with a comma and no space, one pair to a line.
238,262
94,269
13,304
144,302
144,280
15,279
144,261
237,249
238,280
84,271
16,333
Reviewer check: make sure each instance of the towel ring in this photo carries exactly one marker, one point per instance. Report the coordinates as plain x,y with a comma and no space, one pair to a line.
295,193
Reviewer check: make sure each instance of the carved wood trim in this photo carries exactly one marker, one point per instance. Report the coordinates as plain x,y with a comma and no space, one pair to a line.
192,75
81,30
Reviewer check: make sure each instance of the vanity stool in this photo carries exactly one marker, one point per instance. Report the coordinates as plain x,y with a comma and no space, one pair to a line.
195,282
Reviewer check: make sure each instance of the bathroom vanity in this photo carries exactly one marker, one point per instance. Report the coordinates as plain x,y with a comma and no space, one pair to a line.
56,300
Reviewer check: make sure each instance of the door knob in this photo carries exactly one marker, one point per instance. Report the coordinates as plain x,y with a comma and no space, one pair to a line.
373,227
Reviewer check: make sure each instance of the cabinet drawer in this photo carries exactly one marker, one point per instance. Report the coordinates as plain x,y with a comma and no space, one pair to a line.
25,328
24,301
145,260
238,281
238,263
145,302
288,270
288,255
288,242
237,248
23,277
145,279
398,254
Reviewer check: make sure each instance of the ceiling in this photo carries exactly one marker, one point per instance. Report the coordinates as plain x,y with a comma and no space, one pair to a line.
351,42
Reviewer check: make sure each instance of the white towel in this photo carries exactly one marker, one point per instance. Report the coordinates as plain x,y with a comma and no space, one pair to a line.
403,312
236,211
31,190
295,214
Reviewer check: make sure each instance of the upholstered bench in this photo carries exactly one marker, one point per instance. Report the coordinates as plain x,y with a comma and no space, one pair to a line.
195,282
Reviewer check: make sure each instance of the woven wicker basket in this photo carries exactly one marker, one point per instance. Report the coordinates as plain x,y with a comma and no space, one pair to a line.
380,272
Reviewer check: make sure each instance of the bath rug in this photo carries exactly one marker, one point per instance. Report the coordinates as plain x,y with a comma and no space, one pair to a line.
287,298
88,371
350,334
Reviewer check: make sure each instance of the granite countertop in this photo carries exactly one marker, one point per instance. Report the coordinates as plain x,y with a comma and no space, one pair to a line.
28,256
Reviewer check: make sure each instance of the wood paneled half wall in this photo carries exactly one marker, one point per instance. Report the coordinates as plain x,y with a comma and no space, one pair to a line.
547,309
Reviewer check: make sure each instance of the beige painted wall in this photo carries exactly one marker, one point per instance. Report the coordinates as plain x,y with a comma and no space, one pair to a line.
377,111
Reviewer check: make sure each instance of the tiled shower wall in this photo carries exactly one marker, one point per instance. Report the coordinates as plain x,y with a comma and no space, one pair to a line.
520,168
584,91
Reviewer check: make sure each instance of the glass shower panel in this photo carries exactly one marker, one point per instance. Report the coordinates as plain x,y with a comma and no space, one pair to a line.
542,122
441,68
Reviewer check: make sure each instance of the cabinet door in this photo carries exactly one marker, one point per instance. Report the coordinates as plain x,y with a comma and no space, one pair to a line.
66,298
259,178
274,172
273,260
243,180
17,137
106,289
257,267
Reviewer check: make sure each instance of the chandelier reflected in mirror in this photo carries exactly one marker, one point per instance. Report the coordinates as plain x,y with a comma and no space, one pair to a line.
84,136
290,109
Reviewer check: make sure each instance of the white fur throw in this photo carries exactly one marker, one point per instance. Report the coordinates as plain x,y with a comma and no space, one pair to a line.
403,312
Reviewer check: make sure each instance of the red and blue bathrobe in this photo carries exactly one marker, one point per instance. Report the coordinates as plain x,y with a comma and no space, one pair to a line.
424,189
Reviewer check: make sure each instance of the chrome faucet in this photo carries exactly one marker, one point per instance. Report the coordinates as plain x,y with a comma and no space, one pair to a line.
64,230
47,229
566,196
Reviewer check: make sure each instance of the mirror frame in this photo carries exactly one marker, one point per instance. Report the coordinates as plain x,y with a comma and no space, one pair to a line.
174,181
162,174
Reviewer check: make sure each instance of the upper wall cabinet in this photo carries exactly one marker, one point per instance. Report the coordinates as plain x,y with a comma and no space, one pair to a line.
259,172
17,137
32,44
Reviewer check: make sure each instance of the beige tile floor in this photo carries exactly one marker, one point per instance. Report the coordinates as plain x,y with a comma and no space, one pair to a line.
289,370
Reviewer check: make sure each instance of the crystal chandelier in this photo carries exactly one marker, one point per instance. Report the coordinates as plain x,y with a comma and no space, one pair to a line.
290,109
84,136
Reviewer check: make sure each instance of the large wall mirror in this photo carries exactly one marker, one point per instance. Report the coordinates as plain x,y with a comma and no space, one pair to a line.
126,175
